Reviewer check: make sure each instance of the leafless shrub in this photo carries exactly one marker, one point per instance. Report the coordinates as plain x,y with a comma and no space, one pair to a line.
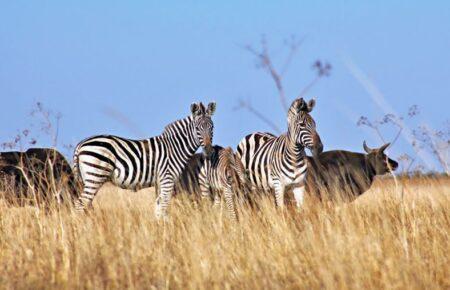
388,120
265,62
48,128
435,142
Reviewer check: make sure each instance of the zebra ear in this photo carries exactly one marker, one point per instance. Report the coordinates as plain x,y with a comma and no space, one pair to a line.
297,105
195,109
211,108
310,105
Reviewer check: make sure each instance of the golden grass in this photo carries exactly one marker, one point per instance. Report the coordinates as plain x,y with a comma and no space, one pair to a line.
379,241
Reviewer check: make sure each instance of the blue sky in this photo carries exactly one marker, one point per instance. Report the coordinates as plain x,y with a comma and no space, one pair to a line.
148,61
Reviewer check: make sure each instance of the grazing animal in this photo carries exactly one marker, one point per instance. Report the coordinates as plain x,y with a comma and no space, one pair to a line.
221,175
136,164
346,175
39,175
275,163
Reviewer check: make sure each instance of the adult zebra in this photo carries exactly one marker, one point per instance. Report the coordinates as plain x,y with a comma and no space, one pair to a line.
275,163
221,175
136,164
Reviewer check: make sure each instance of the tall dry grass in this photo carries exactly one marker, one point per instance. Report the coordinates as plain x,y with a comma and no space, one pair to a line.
379,241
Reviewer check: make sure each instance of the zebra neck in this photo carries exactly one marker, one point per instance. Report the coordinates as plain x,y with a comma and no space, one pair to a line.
181,138
294,153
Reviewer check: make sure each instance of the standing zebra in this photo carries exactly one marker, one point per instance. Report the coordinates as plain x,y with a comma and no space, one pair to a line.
274,163
221,175
135,164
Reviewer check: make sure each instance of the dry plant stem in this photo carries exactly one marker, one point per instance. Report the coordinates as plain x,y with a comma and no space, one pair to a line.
259,115
309,86
266,63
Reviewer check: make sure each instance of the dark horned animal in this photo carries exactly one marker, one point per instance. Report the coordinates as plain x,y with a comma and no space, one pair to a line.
43,171
346,175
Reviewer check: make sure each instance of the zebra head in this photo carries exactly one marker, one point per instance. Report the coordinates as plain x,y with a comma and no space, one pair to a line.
302,127
203,125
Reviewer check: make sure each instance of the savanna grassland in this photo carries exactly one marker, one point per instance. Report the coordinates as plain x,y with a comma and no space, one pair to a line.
394,237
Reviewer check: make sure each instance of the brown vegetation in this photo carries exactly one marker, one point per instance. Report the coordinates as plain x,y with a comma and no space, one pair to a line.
380,241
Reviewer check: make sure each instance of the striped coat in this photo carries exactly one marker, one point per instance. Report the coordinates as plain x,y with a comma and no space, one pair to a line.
277,163
221,175
135,164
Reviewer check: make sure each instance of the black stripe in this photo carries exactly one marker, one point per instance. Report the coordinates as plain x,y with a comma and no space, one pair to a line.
111,149
98,156
97,175
133,163
93,181
147,154
97,166
153,150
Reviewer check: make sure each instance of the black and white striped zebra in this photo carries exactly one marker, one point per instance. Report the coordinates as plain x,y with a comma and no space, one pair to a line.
221,175
136,164
277,163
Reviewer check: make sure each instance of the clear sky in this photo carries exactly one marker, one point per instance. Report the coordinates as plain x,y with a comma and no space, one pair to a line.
147,61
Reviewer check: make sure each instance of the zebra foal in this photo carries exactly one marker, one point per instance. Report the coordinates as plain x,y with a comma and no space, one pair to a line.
136,164
275,163
221,175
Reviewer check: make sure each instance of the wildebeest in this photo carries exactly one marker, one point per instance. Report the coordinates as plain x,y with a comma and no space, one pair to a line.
346,175
38,175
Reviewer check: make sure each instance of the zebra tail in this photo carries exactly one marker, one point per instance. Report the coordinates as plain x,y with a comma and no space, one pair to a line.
76,165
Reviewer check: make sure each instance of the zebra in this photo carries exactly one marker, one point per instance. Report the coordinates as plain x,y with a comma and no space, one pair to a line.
275,164
221,175
136,164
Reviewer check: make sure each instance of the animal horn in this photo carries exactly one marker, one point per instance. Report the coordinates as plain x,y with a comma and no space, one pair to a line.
382,148
366,148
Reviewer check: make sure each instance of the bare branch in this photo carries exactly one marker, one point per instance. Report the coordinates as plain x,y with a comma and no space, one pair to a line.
265,62
396,136
293,44
322,69
246,105
308,87
123,119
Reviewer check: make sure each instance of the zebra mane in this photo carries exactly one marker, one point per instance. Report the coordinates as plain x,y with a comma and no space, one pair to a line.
172,128
229,156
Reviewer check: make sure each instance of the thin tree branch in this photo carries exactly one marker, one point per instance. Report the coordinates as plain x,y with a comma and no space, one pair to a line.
396,136
266,63
309,86
124,120
246,105
293,49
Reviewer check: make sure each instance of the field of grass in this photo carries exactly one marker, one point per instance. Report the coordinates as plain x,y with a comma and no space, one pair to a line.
380,241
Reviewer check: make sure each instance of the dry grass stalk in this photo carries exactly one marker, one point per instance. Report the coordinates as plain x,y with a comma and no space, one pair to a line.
379,241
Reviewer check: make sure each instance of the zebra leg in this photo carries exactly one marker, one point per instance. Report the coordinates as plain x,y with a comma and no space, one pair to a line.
279,193
205,190
89,191
92,174
204,184
229,199
217,199
299,193
163,200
